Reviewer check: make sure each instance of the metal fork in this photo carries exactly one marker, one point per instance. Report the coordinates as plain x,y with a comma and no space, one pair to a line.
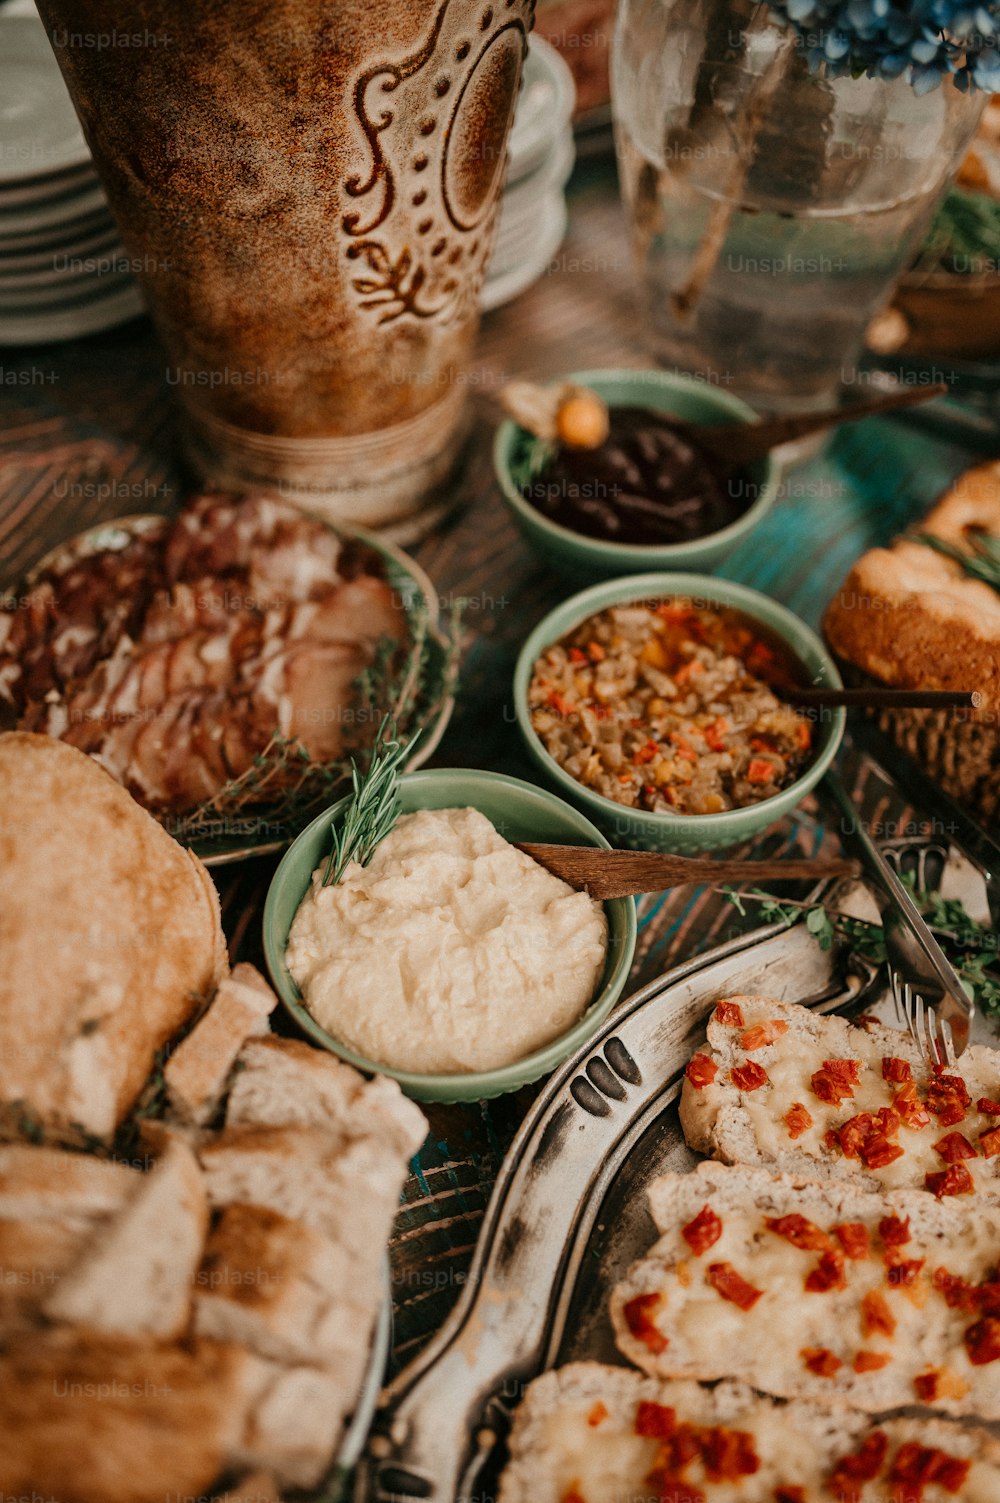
930,999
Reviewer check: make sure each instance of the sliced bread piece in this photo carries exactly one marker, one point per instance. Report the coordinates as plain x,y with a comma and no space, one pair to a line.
136,1278
33,1257
42,1183
272,1284
820,1291
596,1434
101,1421
197,1071
781,1086
284,1082
294,1426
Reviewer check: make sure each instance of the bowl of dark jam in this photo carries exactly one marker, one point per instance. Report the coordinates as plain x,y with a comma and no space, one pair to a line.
647,497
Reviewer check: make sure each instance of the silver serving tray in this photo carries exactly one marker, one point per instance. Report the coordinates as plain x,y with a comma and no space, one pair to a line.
568,1214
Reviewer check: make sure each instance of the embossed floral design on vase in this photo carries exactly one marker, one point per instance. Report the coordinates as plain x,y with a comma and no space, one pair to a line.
311,194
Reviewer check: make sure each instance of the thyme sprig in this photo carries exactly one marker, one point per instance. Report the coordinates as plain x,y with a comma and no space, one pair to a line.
973,945
375,804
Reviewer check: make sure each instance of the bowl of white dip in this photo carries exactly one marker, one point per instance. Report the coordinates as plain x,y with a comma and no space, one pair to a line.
452,961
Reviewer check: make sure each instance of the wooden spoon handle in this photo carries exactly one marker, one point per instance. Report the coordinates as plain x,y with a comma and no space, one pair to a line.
620,874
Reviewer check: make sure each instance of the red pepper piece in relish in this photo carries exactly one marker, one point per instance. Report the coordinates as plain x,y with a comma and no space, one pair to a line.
638,1313
797,1119
655,1420
732,1286
703,1232
853,1238
989,1143
836,1080
759,770
876,1317
821,1361
896,1070
749,1077
800,1232
828,1274
729,1014
701,1071
728,1454
860,1466
762,1034
956,1292
982,1341
878,1151
955,1180
948,1099
908,1106
597,1415
903,1273
954,1147
987,1107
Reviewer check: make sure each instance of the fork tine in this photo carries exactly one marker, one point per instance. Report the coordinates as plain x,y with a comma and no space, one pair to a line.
944,1028
901,1016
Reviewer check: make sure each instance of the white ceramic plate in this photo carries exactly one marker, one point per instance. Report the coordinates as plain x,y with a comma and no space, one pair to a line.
548,235
39,131
544,107
54,211
58,323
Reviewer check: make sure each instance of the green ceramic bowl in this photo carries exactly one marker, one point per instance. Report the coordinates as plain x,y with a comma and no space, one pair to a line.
589,558
681,833
520,811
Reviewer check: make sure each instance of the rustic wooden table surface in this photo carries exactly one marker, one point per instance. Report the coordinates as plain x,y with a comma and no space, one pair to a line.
87,433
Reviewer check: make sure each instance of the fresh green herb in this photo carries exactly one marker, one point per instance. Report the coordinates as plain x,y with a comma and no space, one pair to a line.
947,916
983,562
374,806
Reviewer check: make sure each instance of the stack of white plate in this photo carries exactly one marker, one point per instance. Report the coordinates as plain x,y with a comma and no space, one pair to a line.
62,269
533,213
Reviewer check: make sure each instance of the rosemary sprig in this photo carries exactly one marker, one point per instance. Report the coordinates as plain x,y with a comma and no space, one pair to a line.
982,563
948,917
374,806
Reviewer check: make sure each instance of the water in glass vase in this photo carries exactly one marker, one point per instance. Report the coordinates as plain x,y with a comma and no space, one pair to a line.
770,210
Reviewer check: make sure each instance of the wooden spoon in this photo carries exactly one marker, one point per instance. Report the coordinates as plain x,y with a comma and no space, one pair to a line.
621,874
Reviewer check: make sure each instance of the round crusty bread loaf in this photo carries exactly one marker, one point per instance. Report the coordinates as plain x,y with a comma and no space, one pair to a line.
110,936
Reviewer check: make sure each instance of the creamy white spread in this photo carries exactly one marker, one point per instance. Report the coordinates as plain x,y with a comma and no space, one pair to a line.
450,951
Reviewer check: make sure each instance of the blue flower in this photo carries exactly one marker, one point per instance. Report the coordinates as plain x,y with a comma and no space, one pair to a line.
925,40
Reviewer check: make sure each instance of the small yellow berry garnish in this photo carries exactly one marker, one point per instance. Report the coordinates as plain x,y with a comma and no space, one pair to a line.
582,420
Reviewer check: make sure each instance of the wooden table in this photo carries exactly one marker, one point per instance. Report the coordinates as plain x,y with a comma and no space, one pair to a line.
88,434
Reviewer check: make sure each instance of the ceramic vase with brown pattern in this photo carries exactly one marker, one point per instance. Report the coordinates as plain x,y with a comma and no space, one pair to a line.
309,188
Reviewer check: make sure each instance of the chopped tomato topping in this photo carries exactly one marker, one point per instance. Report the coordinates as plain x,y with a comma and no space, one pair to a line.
828,1274
904,1272
762,1034
955,1291
683,747
896,1070
860,1466
987,1107
800,1232
876,1317
803,735
836,1080
989,1142
954,1147
729,1454
869,1137
871,1362
689,670
878,1152
982,1341
797,1120
925,1386
655,1420
759,770
988,1298
560,703
596,652
701,1071
917,1467
853,1238
639,1314
646,753
955,1180
576,655
909,1107
733,1286
749,1077
597,1415
703,1232
730,1014
948,1099
821,1361
895,1230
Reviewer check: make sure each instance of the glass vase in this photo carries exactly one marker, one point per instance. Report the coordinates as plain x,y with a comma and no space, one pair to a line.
770,209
